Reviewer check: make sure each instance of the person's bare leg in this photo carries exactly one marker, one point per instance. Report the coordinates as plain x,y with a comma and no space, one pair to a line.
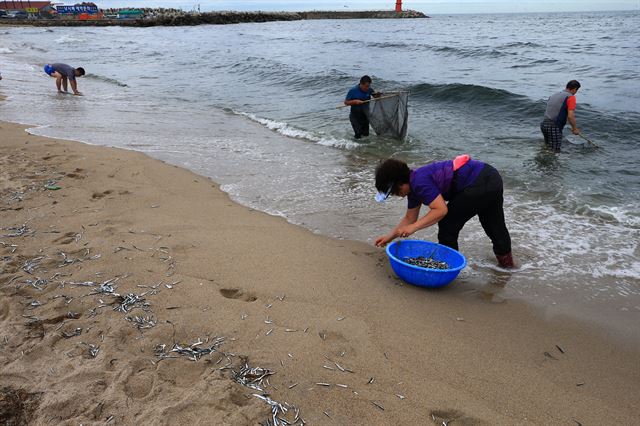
64,84
58,78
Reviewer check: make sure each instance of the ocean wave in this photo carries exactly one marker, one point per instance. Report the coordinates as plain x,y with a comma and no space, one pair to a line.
544,61
105,79
392,45
472,52
68,39
464,93
294,132
5,50
33,47
521,44
610,126
462,52
293,77
342,41
577,249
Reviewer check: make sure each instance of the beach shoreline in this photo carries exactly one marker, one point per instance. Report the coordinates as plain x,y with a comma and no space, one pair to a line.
302,305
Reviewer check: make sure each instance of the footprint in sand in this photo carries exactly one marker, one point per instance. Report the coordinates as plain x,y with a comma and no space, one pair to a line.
184,376
139,384
331,336
67,238
98,195
237,293
17,405
76,174
4,310
440,417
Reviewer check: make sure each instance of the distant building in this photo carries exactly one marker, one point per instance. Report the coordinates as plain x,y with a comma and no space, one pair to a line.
32,8
82,11
77,9
130,14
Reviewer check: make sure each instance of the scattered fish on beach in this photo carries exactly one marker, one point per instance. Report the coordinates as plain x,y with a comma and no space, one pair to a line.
12,247
378,405
66,260
141,322
125,303
252,377
279,412
38,283
31,265
34,304
193,352
68,335
17,231
107,287
92,350
425,262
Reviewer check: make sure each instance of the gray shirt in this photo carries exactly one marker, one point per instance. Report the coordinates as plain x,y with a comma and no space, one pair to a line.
65,70
557,109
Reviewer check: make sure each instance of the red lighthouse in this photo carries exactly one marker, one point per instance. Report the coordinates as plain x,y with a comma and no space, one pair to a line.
398,6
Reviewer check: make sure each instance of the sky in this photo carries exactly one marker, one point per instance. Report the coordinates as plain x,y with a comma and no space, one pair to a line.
426,6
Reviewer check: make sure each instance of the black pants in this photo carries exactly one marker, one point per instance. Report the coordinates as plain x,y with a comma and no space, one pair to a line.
360,123
482,198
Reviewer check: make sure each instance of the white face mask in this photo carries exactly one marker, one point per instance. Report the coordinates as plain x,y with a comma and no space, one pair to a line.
382,196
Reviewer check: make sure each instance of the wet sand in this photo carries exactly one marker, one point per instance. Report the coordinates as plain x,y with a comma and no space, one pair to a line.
304,306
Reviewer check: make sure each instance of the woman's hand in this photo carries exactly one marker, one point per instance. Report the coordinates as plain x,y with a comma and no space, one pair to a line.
384,240
405,231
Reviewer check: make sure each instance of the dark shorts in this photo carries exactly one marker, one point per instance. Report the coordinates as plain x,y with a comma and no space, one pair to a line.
48,69
552,134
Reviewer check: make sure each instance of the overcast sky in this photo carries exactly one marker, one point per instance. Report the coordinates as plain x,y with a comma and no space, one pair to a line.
427,6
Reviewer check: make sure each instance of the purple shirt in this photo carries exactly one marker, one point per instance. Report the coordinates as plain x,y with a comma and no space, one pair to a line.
434,179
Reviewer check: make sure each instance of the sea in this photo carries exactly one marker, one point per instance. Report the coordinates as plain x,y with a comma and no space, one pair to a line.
255,107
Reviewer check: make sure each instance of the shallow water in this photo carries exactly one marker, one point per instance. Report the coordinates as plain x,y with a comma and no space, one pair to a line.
253,106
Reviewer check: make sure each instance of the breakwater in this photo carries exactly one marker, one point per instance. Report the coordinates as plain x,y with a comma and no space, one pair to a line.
173,17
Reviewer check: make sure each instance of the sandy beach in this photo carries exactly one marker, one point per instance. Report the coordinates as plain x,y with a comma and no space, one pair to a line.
124,253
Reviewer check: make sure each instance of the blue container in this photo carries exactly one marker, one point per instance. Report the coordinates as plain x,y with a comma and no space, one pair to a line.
425,277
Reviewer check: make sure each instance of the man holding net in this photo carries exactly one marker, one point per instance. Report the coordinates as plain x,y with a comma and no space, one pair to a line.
358,99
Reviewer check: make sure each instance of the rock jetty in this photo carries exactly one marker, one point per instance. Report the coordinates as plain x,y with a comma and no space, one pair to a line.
176,17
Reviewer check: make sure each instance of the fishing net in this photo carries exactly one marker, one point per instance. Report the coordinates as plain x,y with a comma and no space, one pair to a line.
388,114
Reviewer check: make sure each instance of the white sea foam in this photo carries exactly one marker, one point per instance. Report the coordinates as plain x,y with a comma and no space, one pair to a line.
567,247
293,132
5,50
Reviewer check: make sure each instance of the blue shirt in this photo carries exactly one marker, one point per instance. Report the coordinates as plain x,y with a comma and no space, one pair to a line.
434,179
356,93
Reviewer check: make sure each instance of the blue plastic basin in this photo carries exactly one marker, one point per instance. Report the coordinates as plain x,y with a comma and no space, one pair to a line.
425,277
